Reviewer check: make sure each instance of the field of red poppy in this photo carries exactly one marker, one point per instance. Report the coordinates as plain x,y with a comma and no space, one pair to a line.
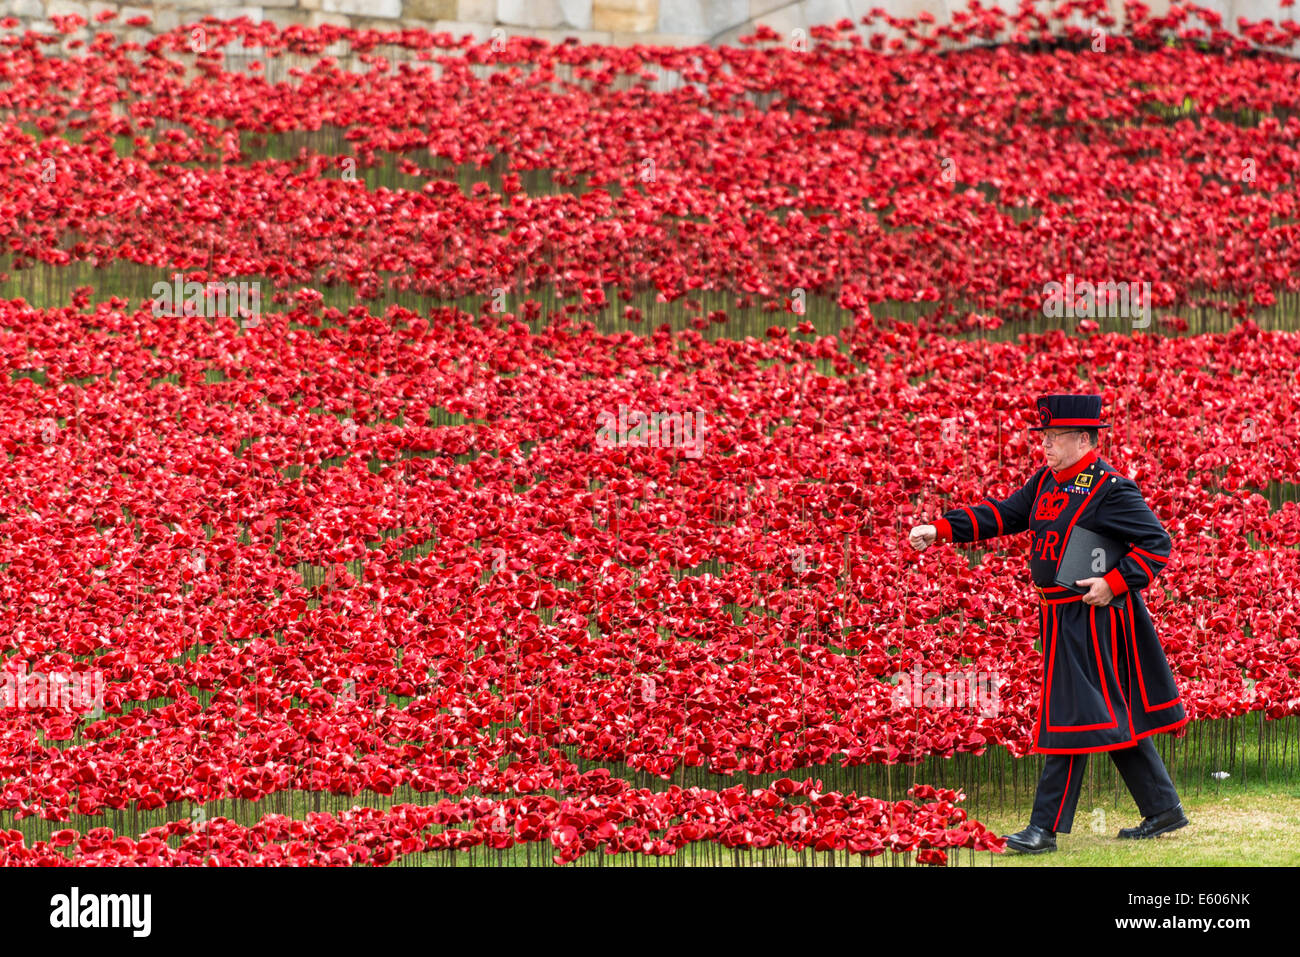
417,451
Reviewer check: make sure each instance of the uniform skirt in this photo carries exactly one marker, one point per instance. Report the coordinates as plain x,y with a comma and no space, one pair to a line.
1106,682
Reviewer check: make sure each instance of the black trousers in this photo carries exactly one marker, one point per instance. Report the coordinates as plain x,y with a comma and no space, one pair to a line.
1140,767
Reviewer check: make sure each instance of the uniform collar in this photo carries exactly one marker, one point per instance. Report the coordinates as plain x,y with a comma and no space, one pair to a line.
1076,468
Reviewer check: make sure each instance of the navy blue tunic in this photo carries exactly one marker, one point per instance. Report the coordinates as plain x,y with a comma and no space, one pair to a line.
1106,682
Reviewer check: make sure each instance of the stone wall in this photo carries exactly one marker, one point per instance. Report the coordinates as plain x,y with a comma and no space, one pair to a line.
676,22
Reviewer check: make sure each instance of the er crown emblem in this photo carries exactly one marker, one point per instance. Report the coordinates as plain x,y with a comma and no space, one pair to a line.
1050,505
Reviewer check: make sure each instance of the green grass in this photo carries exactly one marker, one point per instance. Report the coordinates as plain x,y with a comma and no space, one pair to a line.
1257,825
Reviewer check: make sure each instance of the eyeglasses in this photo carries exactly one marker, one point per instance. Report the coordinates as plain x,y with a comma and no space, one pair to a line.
1049,439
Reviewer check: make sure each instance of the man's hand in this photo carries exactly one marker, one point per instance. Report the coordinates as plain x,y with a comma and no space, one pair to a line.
922,537
1098,594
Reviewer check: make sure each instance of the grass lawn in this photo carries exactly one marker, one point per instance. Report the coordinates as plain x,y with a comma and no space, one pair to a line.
1230,824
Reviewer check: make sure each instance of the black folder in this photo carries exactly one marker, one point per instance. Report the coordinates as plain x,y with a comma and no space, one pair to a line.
1077,560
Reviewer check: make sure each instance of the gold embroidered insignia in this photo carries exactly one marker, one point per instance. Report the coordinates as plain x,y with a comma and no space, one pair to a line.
1084,479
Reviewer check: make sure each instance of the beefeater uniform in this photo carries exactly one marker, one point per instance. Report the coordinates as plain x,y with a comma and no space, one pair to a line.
1106,683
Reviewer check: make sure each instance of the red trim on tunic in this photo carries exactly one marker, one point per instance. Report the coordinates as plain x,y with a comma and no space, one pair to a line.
1042,685
1101,672
1113,747
1137,664
1159,558
1066,537
1116,582
1146,568
1051,588
1132,666
1037,490
1113,659
1051,665
996,514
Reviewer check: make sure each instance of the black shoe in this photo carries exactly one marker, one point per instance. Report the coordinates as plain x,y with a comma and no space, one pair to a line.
1032,840
1161,823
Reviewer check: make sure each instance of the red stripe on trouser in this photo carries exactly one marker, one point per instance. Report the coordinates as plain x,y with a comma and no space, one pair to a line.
1069,772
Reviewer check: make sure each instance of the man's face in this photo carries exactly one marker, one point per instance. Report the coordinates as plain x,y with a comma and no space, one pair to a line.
1063,447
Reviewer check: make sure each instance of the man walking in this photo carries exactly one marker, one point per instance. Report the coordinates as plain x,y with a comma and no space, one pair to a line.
1106,683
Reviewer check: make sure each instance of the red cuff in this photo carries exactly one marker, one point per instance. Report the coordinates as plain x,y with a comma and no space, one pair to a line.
942,529
1116,581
